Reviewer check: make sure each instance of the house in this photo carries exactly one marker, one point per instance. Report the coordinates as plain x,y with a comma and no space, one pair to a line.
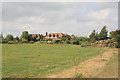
55,35
37,36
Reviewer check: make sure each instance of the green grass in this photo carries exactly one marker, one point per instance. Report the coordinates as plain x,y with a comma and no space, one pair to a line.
39,60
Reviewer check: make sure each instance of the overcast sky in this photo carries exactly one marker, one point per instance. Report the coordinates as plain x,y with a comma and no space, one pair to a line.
78,18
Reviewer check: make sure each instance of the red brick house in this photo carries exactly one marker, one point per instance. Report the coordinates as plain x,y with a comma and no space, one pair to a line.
37,36
55,35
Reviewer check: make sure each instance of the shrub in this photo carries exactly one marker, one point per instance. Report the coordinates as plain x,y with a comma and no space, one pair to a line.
73,42
78,76
62,42
76,42
10,42
68,42
63,39
109,41
49,39
49,42
85,44
57,41
42,42
116,45
117,39
31,42
24,40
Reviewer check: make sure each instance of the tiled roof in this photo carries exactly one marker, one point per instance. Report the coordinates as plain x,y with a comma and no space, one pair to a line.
34,35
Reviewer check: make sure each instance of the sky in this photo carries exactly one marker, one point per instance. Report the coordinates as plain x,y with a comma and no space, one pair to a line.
78,18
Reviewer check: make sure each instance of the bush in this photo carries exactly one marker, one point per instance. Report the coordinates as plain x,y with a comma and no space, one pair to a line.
50,42
57,41
109,41
24,41
49,39
10,42
31,42
76,42
117,39
41,42
68,42
62,42
85,44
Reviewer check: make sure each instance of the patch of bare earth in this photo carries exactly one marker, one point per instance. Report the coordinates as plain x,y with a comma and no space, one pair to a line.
89,68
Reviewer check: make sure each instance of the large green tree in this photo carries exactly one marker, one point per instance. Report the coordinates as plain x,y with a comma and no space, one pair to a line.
30,38
9,37
17,38
117,39
97,36
92,36
25,35
103,34
114,33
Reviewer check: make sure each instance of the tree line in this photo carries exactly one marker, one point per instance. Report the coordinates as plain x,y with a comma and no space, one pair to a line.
94,36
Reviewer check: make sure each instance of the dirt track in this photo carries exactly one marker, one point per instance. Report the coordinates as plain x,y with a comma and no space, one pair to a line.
90,68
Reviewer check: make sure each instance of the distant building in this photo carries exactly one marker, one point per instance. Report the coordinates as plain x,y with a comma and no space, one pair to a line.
50,36
55,35
37,36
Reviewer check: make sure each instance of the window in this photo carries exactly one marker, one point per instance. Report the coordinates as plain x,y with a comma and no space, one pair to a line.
49,35
57,35
53,35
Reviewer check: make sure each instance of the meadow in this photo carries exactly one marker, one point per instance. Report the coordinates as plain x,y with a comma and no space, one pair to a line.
40,60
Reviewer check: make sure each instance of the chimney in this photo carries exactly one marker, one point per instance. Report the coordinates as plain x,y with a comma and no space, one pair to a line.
46,33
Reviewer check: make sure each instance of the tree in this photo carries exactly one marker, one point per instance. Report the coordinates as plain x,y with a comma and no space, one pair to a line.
103,34
97,36
64,39
25,35
30,38
9,37
17,38
117,39
114,33
34,39
92,36
1,38
24,40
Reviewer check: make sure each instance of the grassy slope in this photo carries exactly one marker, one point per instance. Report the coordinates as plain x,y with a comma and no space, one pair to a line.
111,68
37,60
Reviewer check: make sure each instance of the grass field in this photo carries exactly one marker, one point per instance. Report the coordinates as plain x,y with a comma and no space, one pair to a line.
40,60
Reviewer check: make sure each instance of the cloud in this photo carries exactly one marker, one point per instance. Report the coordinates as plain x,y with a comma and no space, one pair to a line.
31,19
72,18
102,14
26,27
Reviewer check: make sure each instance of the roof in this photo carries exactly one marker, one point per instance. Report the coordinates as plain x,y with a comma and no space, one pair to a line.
34,35
66,35
55,33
